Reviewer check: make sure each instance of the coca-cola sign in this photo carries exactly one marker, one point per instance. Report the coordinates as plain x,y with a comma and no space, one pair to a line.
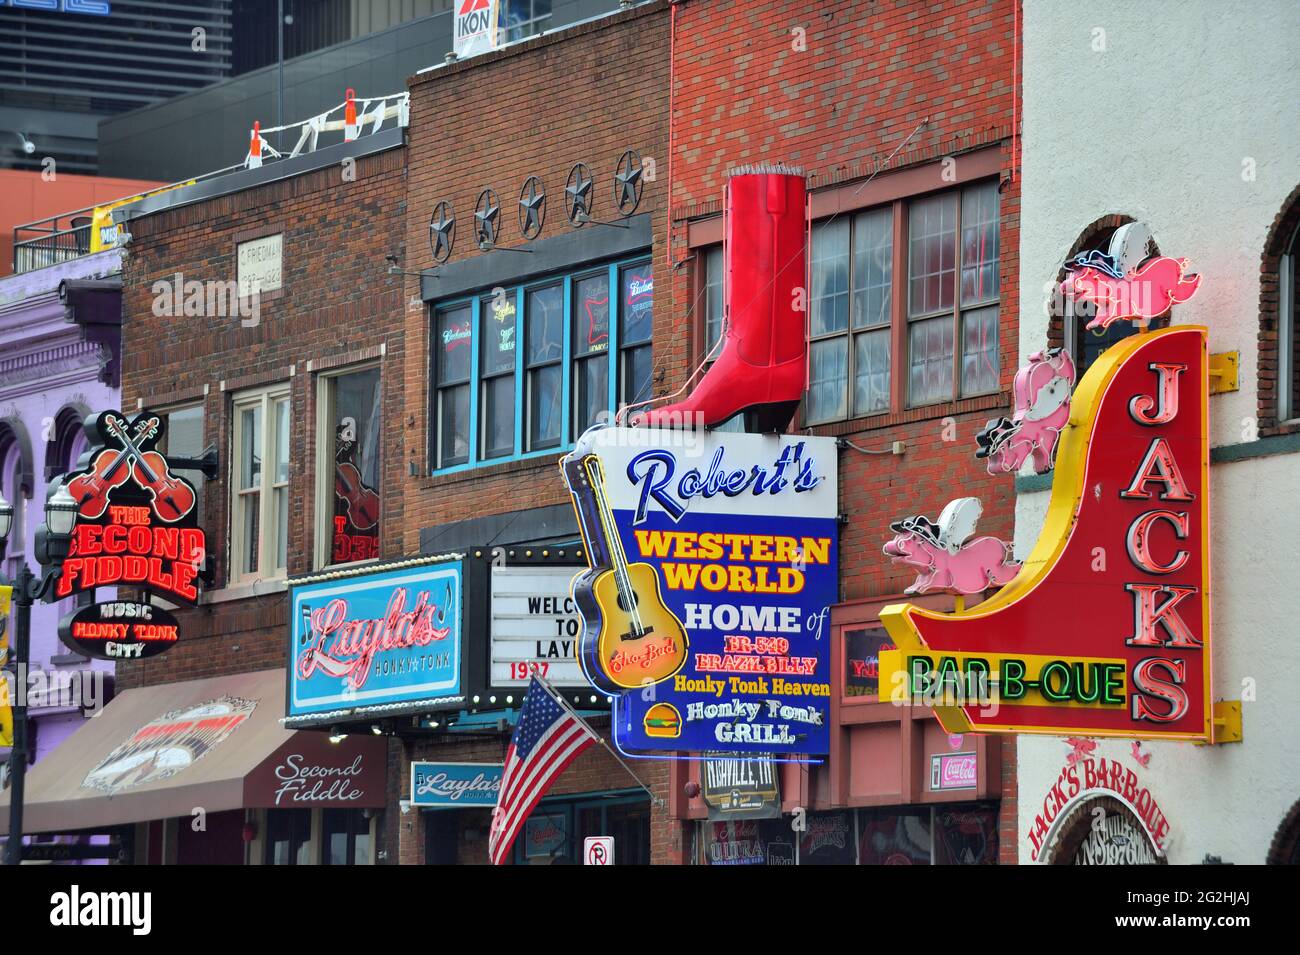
382,640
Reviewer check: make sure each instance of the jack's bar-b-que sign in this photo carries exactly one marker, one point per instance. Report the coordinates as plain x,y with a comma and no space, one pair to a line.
1105,631
136,526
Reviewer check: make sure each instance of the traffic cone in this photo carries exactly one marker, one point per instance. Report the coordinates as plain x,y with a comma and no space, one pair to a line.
255,147
350,128
763,367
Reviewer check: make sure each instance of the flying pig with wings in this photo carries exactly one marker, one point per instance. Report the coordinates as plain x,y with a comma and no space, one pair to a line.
945,553
1042,392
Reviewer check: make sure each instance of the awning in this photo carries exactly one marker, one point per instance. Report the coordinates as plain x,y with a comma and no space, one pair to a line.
161,751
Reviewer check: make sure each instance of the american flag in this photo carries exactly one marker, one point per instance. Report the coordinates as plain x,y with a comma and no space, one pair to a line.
548,737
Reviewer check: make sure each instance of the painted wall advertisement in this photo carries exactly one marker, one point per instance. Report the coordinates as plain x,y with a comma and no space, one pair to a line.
714,567
535,627
378,639
455,785
1127,537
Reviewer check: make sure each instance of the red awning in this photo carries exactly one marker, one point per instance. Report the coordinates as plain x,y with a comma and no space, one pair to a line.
159,752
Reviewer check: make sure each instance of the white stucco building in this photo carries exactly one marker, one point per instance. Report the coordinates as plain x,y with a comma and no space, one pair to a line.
1186,117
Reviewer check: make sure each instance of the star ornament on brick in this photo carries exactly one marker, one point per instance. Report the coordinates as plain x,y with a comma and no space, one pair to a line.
628,182
577,193
486,211
532,207
442,231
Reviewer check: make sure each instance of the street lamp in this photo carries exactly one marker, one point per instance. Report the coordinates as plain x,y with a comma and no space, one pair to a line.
53,541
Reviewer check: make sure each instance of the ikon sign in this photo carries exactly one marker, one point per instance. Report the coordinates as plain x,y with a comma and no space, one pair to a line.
1105,631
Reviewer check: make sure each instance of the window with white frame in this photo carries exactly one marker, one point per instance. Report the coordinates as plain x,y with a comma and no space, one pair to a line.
259,510
347,466
523,370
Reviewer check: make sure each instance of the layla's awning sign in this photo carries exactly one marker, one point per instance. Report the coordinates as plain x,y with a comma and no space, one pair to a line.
1105,631
713,569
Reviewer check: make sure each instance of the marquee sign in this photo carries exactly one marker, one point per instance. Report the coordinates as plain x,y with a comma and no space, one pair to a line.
1105,631
713,569
534,627
376,640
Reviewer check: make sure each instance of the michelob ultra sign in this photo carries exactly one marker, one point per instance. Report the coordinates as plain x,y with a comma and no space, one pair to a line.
713,569
1105,631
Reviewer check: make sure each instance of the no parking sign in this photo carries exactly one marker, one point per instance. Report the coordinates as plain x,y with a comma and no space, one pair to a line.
598,850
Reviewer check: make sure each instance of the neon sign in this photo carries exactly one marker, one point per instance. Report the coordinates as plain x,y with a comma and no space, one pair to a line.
1105,631
136,520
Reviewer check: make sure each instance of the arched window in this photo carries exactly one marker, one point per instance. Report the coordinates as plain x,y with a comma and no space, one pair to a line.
1279,324
16,485
66,444
1068,325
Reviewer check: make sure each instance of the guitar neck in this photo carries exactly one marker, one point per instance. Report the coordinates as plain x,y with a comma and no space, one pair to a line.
596,475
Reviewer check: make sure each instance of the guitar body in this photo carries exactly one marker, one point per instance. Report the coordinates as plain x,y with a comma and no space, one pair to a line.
630,638
631,656
90,491
363,503
172,498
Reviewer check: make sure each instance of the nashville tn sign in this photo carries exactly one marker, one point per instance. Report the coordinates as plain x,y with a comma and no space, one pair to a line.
1105,631
136,527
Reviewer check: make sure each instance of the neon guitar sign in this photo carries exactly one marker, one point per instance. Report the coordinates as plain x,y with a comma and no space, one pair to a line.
136,520
630,638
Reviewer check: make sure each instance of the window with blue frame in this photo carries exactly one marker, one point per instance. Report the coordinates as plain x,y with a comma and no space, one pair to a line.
524,370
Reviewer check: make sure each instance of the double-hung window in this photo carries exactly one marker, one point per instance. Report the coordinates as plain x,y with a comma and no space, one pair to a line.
523,370
259,518
636,301
918,277
850,304
952,305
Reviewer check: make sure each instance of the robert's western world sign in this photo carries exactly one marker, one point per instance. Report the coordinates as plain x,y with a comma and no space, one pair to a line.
713,569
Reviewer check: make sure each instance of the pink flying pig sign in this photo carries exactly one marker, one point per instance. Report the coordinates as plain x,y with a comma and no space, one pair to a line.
945,553
1042,410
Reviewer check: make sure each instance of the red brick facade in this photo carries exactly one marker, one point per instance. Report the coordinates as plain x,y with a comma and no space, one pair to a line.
834,87
838,88
339,306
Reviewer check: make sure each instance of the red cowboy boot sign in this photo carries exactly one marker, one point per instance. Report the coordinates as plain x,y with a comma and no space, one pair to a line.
1105,631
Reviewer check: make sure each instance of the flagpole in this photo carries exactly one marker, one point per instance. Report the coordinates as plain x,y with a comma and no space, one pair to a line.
655,799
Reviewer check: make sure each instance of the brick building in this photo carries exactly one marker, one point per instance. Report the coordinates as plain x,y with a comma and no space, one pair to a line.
902,116
452,376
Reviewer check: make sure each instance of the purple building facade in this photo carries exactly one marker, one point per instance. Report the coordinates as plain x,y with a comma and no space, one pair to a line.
60,361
